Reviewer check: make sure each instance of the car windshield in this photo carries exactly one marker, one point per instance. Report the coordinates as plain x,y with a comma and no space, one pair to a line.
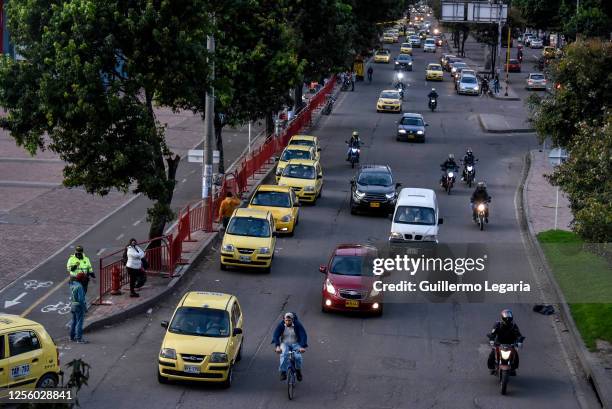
201,322
406,45
430,41
249,226
537,76
459,65
411,121
404,57
289,154
352,266
275,199
513,61
389,95
415,215
299,171
434,68
468,80
382,52
302,142
375,179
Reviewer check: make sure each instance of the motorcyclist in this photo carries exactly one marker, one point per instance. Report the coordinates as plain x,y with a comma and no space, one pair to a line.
468,159
433,94
480,195
370,73
355,142
505,332
290,335
449,163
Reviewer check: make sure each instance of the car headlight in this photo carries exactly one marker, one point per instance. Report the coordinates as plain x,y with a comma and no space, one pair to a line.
419,132
397,62
264,250
218,357
451,174
401,131
168,353
390,195
396,235
286,218
429,238
476,88
309,189
409,63
329,287
228,247
358,194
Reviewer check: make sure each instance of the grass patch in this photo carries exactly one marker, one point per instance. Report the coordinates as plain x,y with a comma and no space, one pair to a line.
586,281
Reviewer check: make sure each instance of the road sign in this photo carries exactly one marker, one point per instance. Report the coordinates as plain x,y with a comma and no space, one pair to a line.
453,12
197,156
473,12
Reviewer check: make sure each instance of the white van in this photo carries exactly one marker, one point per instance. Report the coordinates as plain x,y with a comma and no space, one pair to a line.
416,217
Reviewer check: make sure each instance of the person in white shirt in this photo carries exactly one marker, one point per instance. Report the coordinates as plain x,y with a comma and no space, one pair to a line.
133,264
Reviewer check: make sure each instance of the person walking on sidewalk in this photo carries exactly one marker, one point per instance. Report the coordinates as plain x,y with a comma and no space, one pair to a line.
78,307
227,207
353,79
79,263
133,264
370,73
496,84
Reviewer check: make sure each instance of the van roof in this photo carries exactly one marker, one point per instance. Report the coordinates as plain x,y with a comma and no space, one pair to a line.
416,197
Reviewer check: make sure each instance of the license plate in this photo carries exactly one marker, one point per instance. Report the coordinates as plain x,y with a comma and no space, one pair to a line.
387,107
411,136
352,303
192,369
246,259
19,371
374,204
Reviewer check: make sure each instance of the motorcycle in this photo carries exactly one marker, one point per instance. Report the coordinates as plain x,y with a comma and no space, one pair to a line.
353,155
329,105
448,180
346,84
504,355
482,211
469,173
433,103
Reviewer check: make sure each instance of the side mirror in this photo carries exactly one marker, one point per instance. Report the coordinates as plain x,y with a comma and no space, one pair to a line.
164,324
276,158
397,185
297,204
237,331
274,234
353,182
319,176
318,149
440,221
323,269
426,124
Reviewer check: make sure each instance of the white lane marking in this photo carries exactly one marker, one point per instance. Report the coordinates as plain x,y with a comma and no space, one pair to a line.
35,284
184,180
102,250
14,301
119,237
136,223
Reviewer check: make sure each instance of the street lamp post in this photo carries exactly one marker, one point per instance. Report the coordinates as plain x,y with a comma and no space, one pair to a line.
556,157
207,162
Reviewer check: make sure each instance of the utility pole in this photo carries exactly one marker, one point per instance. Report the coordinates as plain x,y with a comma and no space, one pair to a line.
209,130
499,37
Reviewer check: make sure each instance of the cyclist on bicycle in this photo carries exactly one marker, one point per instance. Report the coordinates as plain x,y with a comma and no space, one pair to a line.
290,335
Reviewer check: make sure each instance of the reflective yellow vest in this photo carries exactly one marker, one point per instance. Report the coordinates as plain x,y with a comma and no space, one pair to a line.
83,265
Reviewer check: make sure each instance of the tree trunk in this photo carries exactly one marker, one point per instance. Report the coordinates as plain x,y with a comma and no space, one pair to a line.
161,212
269,123
298,104
219,139
456,40
464,38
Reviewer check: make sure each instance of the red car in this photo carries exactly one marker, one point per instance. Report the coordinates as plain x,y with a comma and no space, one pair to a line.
349,280
513,66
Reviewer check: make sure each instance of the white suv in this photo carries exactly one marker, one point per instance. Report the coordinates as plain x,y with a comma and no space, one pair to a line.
430,45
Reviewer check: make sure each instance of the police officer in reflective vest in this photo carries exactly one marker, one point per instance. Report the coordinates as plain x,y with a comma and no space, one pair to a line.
79,263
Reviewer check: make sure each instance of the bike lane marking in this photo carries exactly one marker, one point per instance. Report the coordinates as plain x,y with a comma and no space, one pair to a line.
43,298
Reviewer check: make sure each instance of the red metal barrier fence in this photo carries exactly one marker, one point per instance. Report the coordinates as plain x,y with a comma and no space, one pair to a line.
164,258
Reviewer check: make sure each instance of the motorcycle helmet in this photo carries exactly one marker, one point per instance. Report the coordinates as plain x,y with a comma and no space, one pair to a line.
468,151
482,186
355,134
506,316
433,90
451,156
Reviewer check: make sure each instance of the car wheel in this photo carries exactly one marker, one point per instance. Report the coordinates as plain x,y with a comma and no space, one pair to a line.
162,379
230,377
47,381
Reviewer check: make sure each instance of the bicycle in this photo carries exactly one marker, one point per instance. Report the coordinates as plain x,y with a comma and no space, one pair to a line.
291,375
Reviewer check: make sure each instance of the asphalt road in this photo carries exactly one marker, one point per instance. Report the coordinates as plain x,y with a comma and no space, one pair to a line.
419,354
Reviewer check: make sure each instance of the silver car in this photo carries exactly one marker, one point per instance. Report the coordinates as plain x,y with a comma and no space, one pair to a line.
536,80
468,85
536,43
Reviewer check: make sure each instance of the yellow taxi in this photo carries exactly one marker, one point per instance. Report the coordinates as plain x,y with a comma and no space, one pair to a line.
203,340
406,48
293,152
389,101
551,52
383,55
388,37
282,202
434,72
307,140
396,35
28,356
305,177
249,240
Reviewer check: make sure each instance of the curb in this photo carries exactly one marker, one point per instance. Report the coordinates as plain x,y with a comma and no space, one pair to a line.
504,98
499,131
590,368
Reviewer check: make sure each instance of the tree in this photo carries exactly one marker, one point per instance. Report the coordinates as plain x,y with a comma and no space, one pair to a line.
583,95
540,14
588,22
257,63
91,74
585,178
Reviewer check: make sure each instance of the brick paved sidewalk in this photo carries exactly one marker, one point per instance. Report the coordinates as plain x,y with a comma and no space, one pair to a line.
541,197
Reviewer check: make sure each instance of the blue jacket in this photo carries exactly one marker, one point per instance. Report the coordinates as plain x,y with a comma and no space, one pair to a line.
300,333
77,295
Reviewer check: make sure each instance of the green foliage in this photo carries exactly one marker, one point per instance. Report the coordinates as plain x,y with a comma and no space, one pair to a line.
86,88
540,14
588,22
